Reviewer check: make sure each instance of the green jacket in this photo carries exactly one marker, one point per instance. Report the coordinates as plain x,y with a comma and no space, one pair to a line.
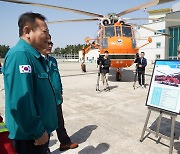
55,78
29,97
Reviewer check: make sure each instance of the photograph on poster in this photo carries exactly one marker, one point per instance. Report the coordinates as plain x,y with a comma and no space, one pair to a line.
164,91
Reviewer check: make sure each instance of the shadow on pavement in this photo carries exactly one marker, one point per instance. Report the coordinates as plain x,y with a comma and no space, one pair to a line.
177,147
101,148
80,74
80,136
83,134
127,75
52,142
112,87
165,129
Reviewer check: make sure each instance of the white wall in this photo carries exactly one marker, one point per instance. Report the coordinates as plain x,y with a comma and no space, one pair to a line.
159,15
151,50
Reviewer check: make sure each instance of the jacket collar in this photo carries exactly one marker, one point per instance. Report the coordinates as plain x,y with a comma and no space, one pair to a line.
29,48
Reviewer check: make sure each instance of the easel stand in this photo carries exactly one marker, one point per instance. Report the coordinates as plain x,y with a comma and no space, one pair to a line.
157,134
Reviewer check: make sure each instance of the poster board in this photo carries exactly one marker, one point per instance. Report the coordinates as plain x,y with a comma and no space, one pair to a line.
164,90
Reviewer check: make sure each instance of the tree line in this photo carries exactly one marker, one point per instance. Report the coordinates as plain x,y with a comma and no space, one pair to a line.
3,50
69,49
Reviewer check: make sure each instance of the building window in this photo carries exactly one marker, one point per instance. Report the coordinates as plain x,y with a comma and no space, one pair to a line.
175,32
158,44
161,31
158,56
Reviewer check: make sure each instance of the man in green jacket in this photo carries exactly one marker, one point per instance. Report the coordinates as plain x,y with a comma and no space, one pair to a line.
51,67
31,112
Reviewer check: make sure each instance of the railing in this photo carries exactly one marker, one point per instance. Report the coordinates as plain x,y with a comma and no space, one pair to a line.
66,57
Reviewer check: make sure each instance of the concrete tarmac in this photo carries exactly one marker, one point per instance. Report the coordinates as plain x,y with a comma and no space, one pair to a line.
107,122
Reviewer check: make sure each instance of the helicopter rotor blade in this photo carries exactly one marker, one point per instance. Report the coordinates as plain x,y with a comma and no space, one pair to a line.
54,7
143,6
155,19
158,32
145,38
152,30
74,20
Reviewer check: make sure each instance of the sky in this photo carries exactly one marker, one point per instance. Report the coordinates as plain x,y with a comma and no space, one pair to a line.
66,33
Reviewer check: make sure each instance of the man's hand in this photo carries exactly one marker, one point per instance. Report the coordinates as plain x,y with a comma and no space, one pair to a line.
102,66
42,140
140,65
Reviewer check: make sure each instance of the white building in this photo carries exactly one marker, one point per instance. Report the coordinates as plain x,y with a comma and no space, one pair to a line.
161,46
156,49
91,56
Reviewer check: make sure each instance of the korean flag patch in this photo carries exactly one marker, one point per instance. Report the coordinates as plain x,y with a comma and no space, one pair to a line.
25,68
54,64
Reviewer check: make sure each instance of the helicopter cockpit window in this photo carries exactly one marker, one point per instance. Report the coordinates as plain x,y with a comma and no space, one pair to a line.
109,31
126,31
118,31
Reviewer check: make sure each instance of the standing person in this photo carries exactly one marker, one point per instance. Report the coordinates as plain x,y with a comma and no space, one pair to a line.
136,62
104,63
136,58
141,64
55,78
30,103
136,73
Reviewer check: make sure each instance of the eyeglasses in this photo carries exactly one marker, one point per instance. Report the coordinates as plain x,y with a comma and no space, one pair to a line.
50,43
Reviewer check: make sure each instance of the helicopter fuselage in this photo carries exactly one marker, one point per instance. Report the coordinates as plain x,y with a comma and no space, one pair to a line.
118,39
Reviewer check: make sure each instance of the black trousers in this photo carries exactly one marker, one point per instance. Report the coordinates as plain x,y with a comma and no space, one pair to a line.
141,77
28,147
61,131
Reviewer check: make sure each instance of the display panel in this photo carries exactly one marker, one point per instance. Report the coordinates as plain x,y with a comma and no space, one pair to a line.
164,91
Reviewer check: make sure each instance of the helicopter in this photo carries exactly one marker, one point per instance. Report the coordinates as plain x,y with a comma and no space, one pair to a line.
115,34
118,39
171,79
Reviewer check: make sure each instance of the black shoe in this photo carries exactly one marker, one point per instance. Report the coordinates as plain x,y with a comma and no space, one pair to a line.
48,151
64,147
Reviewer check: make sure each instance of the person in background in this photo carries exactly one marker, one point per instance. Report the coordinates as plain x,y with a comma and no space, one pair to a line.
30,103
136,66
104,64
136,58
6,146
51,66
141,64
